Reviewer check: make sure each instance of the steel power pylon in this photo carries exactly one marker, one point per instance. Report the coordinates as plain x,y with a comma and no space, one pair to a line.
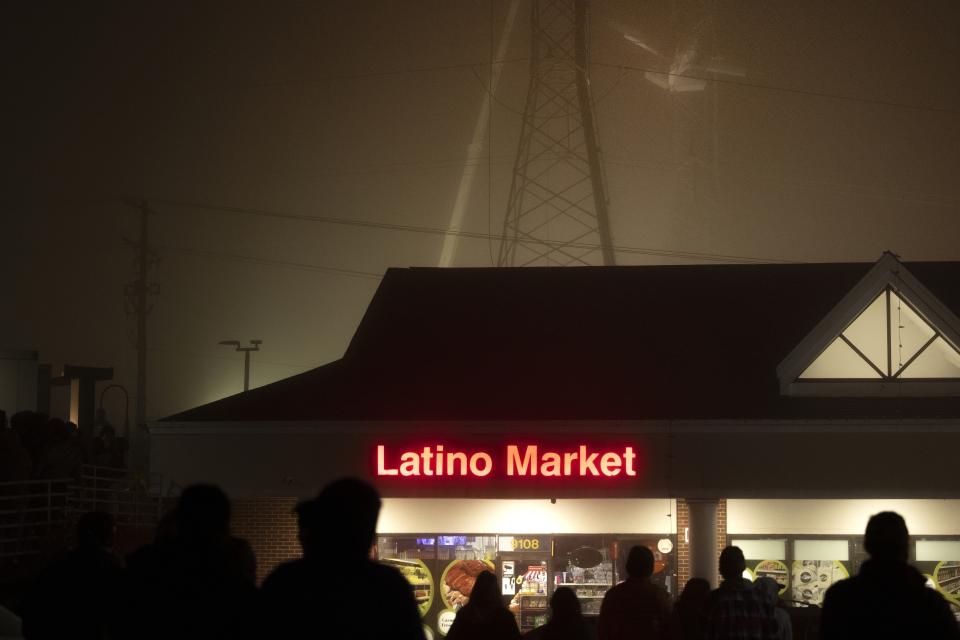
557,208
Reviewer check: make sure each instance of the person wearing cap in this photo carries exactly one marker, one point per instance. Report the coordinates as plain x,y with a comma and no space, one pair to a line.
888,598
770,589
736,610
335,590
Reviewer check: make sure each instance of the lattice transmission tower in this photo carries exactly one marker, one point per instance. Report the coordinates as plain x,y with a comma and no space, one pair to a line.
557,207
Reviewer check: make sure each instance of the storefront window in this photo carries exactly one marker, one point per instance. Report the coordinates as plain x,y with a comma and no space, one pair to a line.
817,565
939,562
664,563
461,559
442,569
586,565
414,558
524,569
766,558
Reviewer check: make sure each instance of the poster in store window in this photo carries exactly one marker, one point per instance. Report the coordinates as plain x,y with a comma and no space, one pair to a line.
775,569
508,586
944,576
405,555
947,578
456,583
812,578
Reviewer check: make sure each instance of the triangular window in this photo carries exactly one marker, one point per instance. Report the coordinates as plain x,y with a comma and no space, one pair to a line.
888,340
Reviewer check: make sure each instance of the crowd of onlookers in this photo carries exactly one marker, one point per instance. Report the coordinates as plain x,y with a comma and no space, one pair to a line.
34,445
196,580
888,599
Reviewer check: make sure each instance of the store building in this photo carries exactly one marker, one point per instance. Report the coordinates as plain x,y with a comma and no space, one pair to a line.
541,421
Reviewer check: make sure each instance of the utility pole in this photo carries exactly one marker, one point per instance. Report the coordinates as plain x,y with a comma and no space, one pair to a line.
136,295
254,346
557,208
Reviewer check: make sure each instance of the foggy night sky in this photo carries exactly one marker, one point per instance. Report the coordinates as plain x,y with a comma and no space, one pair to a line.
343,109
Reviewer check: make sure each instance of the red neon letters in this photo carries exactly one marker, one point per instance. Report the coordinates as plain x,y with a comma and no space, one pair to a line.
526,461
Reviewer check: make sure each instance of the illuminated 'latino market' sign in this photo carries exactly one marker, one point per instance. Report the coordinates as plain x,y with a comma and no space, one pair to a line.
520,461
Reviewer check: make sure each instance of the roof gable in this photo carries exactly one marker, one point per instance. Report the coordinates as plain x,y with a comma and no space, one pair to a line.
685,342
889,335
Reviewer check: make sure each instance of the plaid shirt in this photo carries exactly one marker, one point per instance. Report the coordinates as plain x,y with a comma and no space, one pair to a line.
737,611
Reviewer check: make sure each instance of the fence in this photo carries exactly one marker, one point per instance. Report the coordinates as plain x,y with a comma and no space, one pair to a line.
38,515
131,500
33,515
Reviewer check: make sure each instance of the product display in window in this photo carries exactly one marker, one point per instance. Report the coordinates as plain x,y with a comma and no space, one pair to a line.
442,569
530,605
773,569
458,580
947,578
812,578
663,559
943,576
589,572
407,556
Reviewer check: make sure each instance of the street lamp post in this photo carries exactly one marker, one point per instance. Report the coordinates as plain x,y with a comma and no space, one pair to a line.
253,346
126,400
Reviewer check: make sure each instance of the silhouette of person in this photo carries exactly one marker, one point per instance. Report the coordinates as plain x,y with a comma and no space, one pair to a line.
60,453
75,598
888,598
336,590
566,619
736,610
484,617
15,462
31,427
635,608
10,624
689,620
107,449
770,589
195,580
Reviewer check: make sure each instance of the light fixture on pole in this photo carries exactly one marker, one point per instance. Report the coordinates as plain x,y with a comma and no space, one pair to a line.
254,346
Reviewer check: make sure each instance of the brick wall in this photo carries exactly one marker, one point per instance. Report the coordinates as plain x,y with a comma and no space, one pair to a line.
683,549
271,528
721,530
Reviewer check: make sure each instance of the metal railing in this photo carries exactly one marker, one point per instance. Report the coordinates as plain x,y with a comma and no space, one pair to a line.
34,515
39,515
132,500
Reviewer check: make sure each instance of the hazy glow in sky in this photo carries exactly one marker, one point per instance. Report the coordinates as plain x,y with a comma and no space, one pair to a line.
367,111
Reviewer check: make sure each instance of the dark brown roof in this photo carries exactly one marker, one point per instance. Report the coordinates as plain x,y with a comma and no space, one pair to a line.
606,343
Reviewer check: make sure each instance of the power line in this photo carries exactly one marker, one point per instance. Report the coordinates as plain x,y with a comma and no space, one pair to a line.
779,89
519,112
208,356
835,188
370,224
387,167
363,75
622,67
270,262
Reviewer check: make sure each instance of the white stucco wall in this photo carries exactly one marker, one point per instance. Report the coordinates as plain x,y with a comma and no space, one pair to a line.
415,515
840,517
